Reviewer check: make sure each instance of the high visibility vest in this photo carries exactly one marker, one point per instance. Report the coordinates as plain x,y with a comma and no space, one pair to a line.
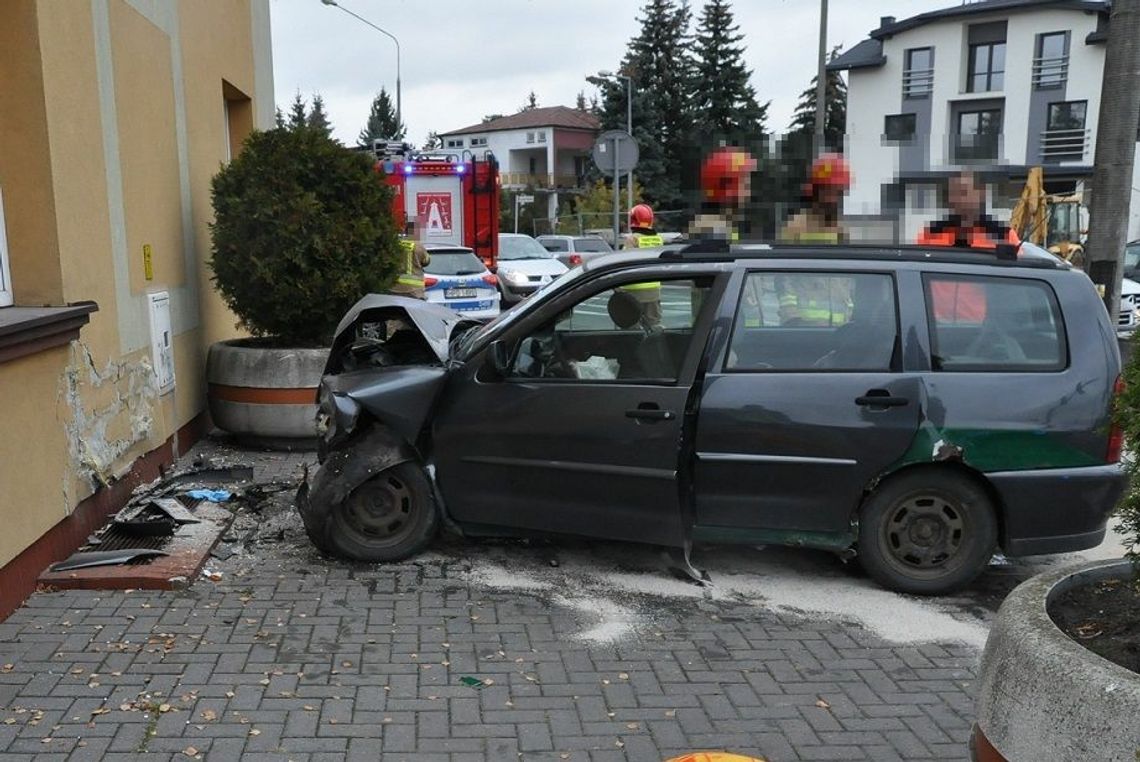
409,277
963,302
645,241
816,310
818,236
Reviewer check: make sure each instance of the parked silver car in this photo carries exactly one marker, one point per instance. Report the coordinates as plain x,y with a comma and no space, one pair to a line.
524,266
573,250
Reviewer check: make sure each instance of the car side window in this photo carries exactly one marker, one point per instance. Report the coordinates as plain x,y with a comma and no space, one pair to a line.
555,244
815,321
982,323
640,331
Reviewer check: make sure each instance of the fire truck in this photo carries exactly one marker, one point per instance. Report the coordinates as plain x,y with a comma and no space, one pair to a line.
453,196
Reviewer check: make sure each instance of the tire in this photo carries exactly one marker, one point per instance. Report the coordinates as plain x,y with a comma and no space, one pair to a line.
927,532
387,518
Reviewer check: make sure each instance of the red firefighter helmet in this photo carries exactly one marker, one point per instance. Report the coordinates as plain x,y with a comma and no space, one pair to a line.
831,169
723,175
641,216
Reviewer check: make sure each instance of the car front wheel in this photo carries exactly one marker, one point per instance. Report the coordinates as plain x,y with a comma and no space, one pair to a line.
387,518
927,532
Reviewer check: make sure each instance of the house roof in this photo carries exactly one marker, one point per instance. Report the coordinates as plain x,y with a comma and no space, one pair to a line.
550,116
869,52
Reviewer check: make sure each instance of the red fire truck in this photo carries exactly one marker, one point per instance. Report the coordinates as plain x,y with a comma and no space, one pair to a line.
455,197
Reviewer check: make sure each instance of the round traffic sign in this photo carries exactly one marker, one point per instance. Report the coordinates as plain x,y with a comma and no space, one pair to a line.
617,144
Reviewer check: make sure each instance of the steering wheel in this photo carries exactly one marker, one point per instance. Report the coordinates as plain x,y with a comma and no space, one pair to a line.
994,343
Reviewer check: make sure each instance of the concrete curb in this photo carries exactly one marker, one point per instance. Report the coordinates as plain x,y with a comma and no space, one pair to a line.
1041,695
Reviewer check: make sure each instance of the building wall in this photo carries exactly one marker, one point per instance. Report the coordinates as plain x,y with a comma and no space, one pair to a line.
113,119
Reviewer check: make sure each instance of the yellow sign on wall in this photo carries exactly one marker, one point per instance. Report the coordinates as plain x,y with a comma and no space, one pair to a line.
148,262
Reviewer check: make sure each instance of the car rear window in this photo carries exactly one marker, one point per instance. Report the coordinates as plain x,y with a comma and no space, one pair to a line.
982,323
591,244
555,244
454,263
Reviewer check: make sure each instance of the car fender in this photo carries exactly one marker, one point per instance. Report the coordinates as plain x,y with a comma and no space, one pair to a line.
345,469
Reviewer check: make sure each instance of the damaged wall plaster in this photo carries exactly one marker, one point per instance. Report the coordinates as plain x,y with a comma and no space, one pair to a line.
107,413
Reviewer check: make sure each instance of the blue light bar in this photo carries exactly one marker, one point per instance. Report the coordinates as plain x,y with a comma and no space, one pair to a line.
407,169
460,168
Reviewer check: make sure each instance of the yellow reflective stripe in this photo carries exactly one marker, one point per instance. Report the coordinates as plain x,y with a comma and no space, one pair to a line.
647,241
734,236
809,236
788,300
642,286
410,280
409,248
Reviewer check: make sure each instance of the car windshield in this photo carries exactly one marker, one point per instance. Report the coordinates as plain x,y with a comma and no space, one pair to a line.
1132,257
591,244
521,247
462,262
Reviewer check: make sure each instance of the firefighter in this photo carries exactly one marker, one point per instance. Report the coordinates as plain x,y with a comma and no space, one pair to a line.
814,300
414,258
642,235
726,186
828,181
966,226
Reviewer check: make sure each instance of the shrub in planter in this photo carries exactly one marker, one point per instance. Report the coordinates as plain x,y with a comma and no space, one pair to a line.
302,229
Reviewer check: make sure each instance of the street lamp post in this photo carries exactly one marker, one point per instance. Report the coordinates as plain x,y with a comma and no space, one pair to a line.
628,126
399,113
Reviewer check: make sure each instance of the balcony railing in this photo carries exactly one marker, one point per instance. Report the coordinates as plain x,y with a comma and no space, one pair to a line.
1070,145
975,149
1050,72
917,83
525,179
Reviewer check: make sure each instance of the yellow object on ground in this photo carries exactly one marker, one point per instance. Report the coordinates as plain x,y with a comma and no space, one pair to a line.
715,756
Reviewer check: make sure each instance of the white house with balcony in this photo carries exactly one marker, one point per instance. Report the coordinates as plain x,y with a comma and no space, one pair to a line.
996,85
546,149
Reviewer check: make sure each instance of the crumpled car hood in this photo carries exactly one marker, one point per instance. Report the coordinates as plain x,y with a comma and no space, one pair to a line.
434,322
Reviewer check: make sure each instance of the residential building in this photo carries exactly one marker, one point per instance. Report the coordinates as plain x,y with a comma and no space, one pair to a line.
996,85
114,116
547,149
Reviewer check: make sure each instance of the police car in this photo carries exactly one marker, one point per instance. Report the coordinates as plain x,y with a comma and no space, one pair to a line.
457,279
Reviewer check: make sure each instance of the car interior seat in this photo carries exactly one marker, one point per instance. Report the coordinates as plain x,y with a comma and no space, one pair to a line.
653,355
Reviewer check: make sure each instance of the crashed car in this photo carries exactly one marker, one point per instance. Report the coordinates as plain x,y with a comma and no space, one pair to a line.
916,407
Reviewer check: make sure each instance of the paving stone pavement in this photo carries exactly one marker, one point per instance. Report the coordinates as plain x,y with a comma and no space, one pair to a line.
292,656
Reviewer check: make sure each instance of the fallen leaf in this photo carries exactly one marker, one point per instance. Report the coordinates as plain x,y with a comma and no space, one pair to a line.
46,740
254,732
346,664
209,715
488,681
7,668
10,721
631,725
308,708
78,671
100,710
229,694
823,704
190,751
670,712
623,675
164,708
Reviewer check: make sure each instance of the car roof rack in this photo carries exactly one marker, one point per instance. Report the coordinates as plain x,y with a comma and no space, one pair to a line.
1023,255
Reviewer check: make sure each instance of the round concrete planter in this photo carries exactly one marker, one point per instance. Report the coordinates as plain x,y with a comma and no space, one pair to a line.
1042,695
263,395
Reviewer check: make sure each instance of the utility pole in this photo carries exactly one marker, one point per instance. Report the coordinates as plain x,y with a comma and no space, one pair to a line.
392,37
1115,152
821,82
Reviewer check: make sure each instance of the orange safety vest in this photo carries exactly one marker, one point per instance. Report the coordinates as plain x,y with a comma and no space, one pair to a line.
963,302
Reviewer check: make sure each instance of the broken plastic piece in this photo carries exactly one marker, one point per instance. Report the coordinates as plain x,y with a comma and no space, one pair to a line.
472,682
213,495
87,559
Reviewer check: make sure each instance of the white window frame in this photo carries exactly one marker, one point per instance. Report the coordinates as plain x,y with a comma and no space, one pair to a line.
455,142
530,137
475,142
5,271
542,136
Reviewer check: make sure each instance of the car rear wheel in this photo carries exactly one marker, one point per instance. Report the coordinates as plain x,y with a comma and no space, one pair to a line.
927,532
387,518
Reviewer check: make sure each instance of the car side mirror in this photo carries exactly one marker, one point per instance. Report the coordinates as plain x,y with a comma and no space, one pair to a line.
500,358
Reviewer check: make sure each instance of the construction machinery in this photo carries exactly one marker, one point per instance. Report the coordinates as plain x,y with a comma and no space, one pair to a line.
1057,222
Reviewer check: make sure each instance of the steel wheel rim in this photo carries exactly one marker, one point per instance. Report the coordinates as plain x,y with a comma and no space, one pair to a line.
924,534
381,511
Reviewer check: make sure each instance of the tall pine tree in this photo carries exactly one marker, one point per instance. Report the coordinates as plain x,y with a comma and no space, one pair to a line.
725,101
297,113
382,123
659,62
835,104
318,118
531,102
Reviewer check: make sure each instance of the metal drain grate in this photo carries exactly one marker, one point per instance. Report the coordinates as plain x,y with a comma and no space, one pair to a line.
110,537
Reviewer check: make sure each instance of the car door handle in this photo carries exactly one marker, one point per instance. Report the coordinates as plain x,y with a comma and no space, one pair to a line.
881,398
650,414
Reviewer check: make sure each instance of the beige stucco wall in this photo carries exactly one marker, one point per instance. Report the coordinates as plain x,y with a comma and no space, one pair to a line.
111,126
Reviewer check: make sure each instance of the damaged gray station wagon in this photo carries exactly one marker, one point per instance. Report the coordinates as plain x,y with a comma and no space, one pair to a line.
918,407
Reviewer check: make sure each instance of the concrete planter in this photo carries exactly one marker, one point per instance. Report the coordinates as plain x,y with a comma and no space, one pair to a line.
263,395
1042,695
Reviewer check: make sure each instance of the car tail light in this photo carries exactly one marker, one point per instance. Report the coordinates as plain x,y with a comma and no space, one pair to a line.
490,279
1115,434
575,259
430,281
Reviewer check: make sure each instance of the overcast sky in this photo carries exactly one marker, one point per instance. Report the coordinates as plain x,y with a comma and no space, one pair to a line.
463,59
